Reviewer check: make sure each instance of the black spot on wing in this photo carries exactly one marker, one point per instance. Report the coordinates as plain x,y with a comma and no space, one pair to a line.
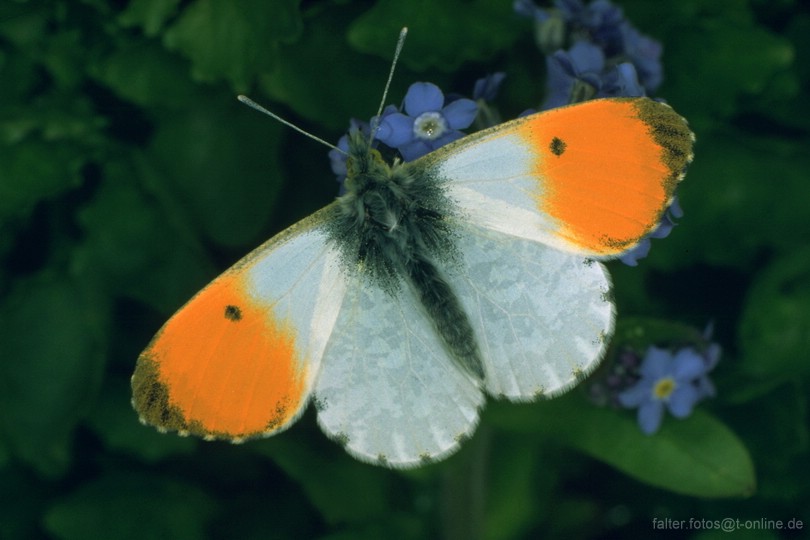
233,313
557,146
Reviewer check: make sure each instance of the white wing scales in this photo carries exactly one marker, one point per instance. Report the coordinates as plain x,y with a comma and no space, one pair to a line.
541,316
306,284
387,390
490,175
390,393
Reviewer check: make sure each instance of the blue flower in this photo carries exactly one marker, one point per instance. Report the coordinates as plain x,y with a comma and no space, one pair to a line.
672,381
485,91
428,123
630,63
581,73
642,249
644,54
571,72
486,88
705,386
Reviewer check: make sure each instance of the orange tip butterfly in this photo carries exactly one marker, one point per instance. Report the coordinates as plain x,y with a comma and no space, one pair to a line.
394,310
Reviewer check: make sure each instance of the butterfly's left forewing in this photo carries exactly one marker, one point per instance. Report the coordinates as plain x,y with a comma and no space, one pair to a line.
592,178
240,358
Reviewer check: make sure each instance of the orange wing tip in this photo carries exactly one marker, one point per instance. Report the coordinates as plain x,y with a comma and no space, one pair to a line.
151,400
607,169
671,132
222,368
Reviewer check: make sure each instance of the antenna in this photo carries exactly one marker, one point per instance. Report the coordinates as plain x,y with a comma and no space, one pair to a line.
250,103
376,121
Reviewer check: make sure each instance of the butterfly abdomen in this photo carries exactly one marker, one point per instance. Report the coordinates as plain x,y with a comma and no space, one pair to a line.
446,314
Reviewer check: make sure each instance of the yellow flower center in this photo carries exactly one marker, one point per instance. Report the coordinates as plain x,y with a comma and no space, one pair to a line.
429,126
664,388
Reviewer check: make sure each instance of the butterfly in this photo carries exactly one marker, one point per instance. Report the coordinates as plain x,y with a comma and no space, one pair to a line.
471,271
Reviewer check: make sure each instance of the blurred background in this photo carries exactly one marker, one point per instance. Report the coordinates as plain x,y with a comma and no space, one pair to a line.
130,176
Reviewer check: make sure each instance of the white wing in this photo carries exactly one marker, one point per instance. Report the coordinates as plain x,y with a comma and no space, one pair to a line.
542,316
387,390
302,283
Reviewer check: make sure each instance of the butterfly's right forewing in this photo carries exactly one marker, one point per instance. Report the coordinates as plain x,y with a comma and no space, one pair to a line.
240,358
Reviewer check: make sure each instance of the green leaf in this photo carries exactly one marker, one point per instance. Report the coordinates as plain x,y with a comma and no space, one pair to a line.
697,456
641,332
33,171
144,73
512,504
43,149
775,325
392,527
777,428
798,31
53,347
233,39
150,15
131,506
116,424
220,161
127,235
443,35
328,92
350,492
24,24
735,203
22,498
735,59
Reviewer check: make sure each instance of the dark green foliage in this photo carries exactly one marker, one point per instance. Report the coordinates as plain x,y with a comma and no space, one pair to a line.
130,176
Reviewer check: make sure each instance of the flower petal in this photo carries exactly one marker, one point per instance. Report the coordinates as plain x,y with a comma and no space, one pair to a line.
625,81
650,415
636,395
559,80
423,97
395,130
688,365
642,249
683,400
447,138
487,87
414,149
460,113
657,363
712,356
586,58
705,387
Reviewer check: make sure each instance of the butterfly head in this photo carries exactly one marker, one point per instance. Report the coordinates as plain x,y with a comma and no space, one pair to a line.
371,192
364,164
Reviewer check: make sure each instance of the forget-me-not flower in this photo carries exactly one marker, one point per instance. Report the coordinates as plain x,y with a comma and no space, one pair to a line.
665,226
428,122
669,381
